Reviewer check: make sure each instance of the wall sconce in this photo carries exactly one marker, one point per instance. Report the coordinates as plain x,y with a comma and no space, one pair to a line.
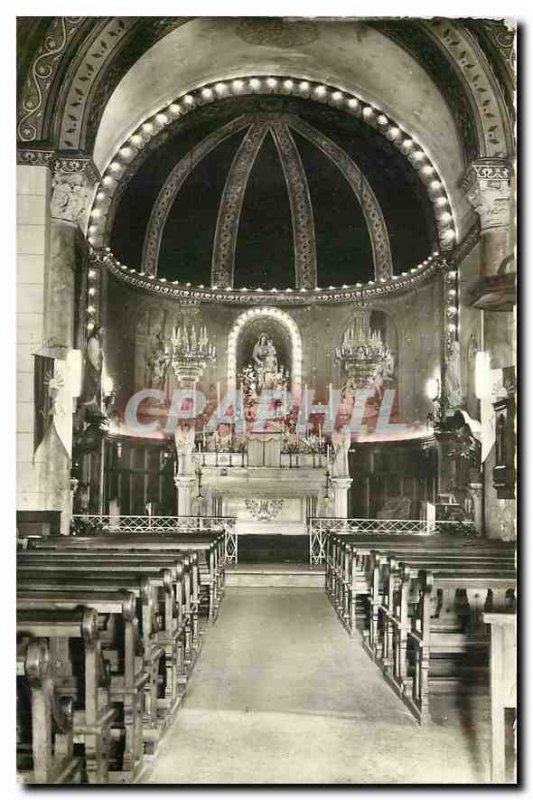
483,376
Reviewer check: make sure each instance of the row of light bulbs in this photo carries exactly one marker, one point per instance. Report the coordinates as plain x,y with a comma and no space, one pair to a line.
287,86
414,270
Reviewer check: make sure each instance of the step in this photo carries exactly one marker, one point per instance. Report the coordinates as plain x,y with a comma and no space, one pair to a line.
286,576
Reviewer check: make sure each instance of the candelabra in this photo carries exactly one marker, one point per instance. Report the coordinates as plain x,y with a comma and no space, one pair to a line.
190,352
363,351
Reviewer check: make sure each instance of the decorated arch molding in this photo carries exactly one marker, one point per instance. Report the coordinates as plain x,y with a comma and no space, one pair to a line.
229,210
494,133
98,52
267,313
300,203
303,225
174,182
361,188
124,161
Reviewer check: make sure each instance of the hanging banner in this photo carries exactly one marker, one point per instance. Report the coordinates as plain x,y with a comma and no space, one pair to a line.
62,405
43,373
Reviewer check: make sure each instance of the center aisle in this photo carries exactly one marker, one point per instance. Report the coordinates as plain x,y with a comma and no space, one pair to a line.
281,694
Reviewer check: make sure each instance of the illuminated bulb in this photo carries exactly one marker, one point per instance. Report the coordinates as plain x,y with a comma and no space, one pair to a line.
189,100
174,109
353,103
272,83
214,287
90,326
237,86
126,152
93,228
161,119
95,213
331,287
90,309
92,291
288,84
321,91
432,388
147,128
288,290
393,134
304,86
101,196
255,83
371,283
220,88
243,289
452,292
435,186
427,170
444,218
92,273
407,145
452,311
274,289
187,284
115,166
368,112
435,253
344,285
382,120
136,140
207,93
418,155
452,327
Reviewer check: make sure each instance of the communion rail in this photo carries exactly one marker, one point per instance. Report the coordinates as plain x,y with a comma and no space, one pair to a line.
319,527
86,524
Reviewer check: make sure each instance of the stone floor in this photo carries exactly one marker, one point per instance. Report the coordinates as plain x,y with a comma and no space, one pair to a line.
281,694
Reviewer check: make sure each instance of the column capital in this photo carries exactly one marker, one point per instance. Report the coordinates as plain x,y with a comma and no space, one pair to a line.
487,185
74,177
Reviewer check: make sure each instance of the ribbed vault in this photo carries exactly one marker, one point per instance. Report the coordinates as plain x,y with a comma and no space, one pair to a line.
304,240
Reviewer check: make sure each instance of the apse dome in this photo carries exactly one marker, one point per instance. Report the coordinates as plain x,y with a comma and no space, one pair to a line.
270,192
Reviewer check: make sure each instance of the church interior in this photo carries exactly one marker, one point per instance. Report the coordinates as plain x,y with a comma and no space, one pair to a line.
266,401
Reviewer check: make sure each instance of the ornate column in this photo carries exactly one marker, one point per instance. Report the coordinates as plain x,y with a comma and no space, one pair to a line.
475,490
487,185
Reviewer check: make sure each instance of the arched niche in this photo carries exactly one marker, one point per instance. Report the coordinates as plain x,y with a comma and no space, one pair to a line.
275,323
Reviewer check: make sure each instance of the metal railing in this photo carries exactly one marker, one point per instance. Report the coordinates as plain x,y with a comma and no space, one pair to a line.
139,523
319,527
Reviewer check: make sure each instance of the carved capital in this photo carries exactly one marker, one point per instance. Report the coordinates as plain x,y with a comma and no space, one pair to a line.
72,187
487,185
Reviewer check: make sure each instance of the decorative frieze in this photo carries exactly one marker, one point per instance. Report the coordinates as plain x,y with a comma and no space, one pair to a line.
487,185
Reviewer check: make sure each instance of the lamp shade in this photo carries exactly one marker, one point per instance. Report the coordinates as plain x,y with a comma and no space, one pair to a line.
74,368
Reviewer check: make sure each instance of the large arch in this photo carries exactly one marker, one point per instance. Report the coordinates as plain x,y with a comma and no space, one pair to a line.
124,160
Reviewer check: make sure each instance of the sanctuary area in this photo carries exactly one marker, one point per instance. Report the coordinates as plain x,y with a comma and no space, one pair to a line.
266,409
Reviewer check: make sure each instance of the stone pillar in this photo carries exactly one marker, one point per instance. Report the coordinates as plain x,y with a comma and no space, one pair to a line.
487,185
340,489
72,184
33,192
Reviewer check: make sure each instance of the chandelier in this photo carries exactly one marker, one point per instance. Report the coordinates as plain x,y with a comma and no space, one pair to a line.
362,351
190,352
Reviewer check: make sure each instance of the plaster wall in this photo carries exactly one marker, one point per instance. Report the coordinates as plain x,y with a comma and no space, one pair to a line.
132,316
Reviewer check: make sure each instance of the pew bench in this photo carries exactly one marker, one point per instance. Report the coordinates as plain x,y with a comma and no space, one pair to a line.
122,648
63,713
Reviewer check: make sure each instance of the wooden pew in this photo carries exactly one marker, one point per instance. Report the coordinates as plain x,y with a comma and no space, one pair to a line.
207,547
122,647
44,660
503,679
175,579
